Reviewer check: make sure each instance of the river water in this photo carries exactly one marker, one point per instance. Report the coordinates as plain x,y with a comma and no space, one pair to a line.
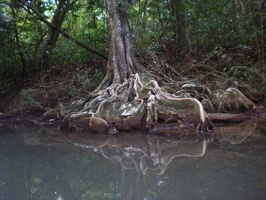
42,163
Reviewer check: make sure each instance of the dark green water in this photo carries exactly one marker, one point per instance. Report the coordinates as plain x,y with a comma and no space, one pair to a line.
41,163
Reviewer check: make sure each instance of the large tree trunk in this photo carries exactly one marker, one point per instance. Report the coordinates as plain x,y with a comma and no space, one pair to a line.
121,61
121,102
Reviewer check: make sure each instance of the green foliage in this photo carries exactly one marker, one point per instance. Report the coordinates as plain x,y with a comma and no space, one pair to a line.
175,26
7,53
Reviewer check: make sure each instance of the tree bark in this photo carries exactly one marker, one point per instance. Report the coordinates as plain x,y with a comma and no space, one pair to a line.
121,61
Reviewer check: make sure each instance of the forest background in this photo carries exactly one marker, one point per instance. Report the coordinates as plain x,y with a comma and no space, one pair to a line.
57,50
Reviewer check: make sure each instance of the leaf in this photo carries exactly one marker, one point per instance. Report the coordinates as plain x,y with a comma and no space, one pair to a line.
37,180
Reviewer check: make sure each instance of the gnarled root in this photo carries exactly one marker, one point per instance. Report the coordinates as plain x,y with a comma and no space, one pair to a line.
187,109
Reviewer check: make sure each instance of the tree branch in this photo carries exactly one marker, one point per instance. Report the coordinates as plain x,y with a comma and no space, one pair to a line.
40,17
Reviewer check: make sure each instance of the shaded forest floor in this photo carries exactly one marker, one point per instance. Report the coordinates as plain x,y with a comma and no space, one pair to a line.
61,85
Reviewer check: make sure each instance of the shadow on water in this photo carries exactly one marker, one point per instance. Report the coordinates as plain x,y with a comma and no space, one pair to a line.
44,163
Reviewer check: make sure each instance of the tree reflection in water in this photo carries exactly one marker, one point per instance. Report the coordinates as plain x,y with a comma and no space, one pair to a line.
135,157
134,154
